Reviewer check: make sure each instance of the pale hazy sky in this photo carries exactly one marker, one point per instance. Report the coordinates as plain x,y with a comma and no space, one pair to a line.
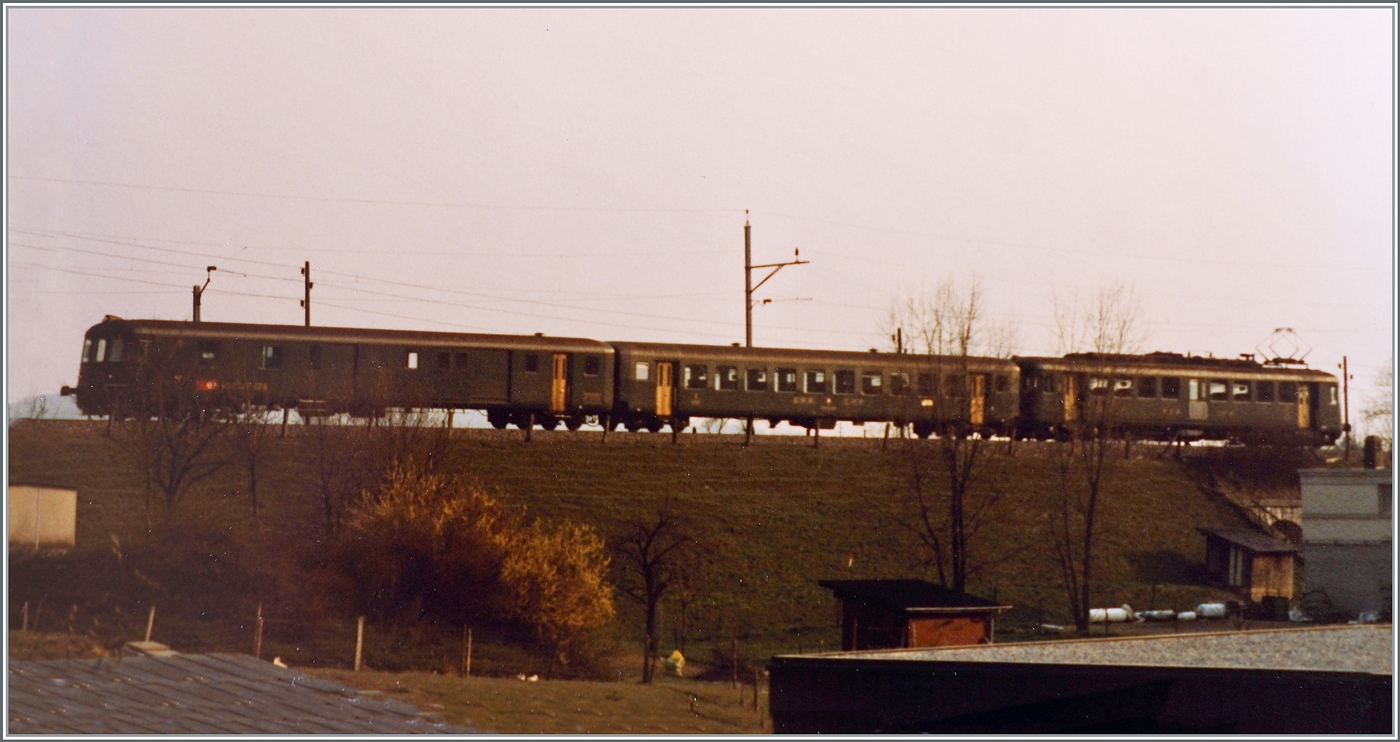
585,172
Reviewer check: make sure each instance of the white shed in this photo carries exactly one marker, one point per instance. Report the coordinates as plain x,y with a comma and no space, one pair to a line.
42,517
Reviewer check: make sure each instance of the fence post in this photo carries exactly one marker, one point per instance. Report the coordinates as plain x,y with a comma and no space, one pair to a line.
734,660
25,626
466,651
150,622
257,638
755,689
359,642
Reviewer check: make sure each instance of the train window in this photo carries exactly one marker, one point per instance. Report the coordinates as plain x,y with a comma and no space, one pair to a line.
461,360
411,359
532,363
953,385
696,376
1264,391
757,380
115,356
1098,386
1147,386
444,360
642,371
727,378
845,382
1288,391
1331,388
591,366
816,382
899,384
1003,383
87,350
928,384
208,353
272,357
1122,387
1240,391
1195,395
871,383
313,357
1218,390
101,349
787,379
1171,387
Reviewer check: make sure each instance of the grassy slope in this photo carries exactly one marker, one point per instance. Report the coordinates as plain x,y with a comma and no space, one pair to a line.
775,518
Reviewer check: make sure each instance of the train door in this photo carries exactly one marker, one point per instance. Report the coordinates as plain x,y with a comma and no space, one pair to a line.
1304,406
1197,409
1071,398
663,388
559,388
977,410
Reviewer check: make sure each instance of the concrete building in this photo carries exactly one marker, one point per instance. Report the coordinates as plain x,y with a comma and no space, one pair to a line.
1347,544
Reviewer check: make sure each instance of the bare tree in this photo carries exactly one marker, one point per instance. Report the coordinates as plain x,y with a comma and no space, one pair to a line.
1105,327
174,435
652,555
1380,404
249,439
944,489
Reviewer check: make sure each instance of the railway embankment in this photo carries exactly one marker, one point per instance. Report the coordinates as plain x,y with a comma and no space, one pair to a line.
773,518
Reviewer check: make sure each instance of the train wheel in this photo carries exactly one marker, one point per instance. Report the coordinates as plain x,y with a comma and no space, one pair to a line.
654,424
499,420
632,424
573,423
549,423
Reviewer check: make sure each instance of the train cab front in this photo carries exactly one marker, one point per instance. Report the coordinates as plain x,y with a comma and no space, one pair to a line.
104,372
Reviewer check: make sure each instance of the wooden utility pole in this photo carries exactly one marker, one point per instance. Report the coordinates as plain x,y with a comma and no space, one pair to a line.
306,288
1346,410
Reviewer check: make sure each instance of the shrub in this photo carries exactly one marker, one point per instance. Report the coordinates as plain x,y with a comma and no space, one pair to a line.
425,544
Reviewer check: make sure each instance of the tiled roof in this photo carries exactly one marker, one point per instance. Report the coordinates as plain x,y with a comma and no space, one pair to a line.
196,694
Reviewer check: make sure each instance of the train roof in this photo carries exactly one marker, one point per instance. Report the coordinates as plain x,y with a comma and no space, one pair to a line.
318,334
1159,361
799,355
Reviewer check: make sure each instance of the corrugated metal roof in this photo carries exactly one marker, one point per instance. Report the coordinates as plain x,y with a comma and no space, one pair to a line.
197,694
1353,649
903,594
1252,540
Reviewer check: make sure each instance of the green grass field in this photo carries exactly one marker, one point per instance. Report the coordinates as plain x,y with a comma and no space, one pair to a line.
774,518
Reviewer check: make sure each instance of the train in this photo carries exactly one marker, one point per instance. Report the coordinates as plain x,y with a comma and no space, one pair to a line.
544,381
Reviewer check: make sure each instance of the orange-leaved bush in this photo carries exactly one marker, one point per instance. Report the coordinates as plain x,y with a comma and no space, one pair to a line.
425,544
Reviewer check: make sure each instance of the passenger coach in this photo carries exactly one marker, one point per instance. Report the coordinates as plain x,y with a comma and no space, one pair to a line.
1169,396
660,384
331,369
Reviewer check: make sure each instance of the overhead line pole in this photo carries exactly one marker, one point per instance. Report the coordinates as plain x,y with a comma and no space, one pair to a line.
749,288
306,285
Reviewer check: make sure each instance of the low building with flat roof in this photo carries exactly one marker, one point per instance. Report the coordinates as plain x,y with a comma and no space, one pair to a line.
1347,543
1327,680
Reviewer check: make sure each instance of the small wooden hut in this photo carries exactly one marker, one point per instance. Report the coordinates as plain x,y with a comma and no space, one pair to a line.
1249,562
895,614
